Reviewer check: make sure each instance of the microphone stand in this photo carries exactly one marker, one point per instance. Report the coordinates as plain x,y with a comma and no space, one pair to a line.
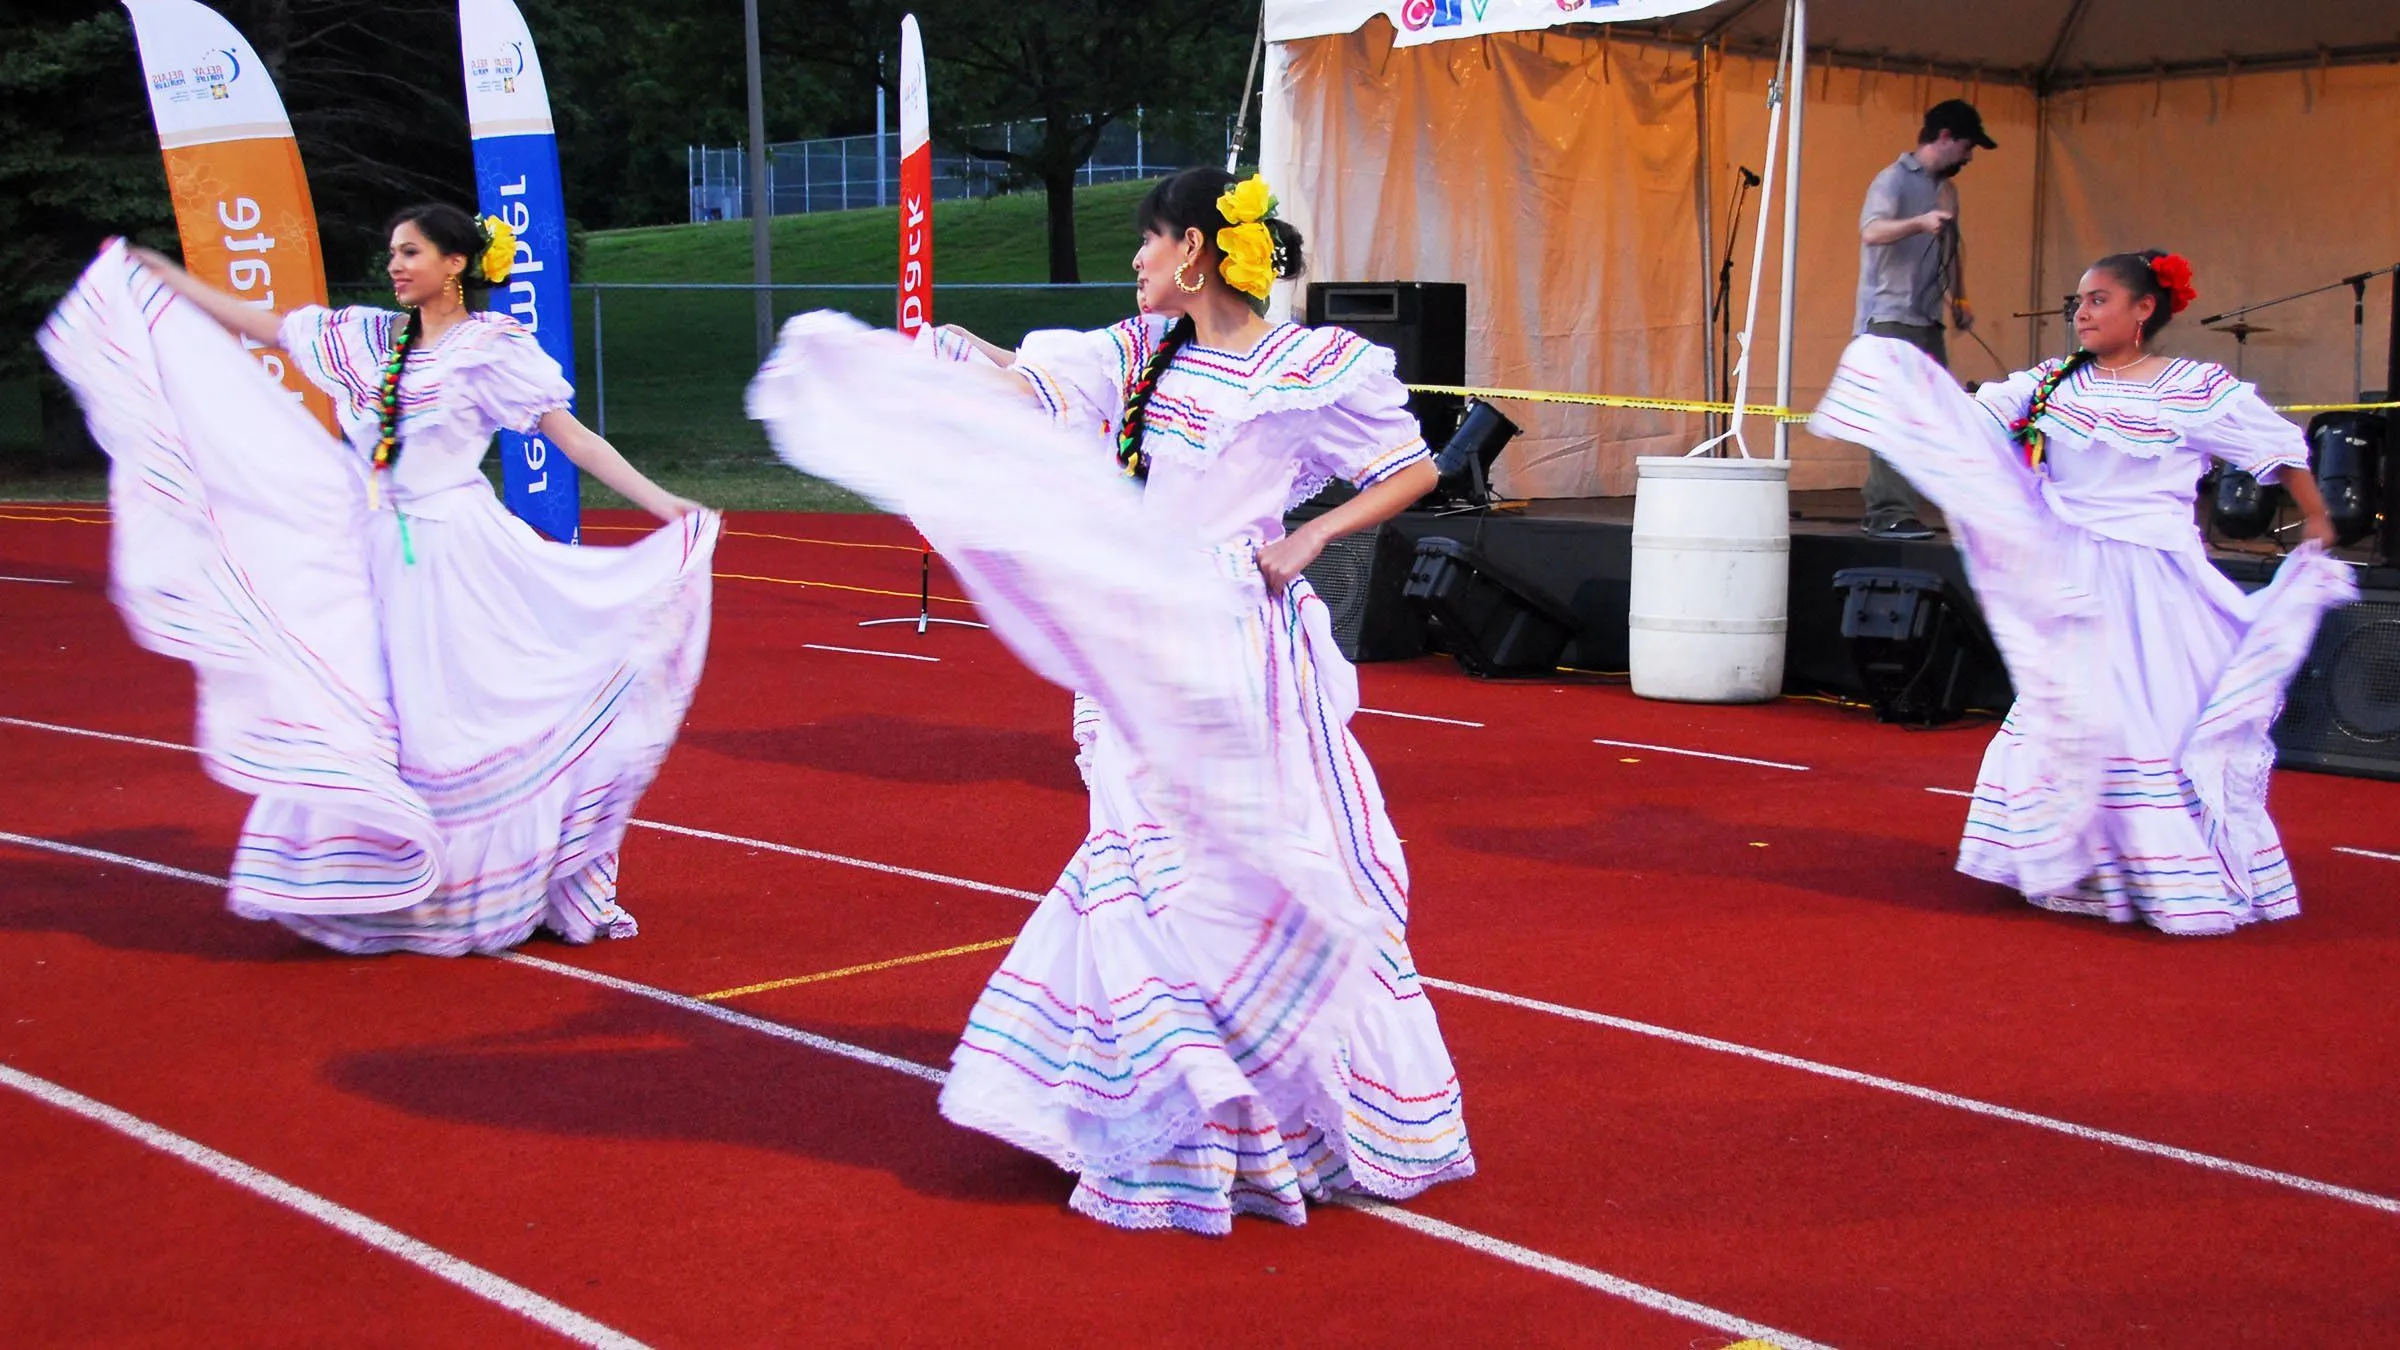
2358,317
1720,310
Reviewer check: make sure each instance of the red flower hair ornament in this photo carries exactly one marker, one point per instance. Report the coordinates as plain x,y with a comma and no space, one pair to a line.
2174,276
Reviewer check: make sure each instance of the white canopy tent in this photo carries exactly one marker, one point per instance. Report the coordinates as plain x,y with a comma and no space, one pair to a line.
1578,177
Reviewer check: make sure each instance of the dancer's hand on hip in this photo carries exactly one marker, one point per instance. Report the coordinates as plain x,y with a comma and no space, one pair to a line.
1284,559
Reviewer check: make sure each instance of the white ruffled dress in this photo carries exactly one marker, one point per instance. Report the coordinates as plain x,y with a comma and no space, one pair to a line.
2130,778
446,720
1161,1027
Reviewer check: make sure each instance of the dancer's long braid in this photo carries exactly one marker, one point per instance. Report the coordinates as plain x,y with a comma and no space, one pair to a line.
387,438
1131,426
2027,431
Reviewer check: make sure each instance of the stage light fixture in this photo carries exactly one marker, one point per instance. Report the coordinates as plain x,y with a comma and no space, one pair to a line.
1466,460
2244,508
2346,453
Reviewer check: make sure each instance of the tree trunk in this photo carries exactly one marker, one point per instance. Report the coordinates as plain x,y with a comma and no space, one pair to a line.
1059,184
66,440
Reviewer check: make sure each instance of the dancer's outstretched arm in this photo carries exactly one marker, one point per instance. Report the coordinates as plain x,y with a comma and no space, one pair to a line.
1282,560
243,318
601,460
2303,486
997,355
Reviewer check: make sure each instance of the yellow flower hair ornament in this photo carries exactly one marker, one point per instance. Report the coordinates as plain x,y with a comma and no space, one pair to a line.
1251,258
499,250
1247,201
1249,251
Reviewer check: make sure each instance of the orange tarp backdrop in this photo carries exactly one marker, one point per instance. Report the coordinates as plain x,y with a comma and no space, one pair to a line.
1558,174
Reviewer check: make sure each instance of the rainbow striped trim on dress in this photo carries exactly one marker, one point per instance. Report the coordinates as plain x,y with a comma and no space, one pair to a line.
2146,419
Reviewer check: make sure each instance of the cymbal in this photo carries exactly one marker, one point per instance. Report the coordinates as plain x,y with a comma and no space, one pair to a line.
2239,329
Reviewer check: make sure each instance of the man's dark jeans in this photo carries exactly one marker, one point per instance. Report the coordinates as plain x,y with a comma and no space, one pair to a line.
1889,497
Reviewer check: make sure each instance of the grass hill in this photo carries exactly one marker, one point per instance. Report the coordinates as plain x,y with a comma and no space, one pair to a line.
670,366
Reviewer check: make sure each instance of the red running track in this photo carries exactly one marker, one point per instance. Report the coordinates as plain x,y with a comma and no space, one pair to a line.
693,1182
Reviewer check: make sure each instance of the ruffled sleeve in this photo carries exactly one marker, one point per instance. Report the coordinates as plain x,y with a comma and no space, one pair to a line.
2250,436
1081,378
502,372
1367,434
341,351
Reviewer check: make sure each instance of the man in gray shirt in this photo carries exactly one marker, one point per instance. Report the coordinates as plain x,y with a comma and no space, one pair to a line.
1911,278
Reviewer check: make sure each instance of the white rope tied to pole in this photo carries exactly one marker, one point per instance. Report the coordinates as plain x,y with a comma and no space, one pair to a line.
1778,90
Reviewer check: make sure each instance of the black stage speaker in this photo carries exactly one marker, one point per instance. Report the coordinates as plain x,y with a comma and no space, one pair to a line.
1493,624
2342,713
1360,577
1917,654
1425,325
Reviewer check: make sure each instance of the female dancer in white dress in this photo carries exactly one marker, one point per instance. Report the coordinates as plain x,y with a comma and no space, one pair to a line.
445,719
1122,1038
2130,779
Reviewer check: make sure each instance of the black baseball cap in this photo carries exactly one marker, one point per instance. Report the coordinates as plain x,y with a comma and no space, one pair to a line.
1959,118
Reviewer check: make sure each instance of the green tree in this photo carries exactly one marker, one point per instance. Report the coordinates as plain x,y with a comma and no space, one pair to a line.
1076,66
78,163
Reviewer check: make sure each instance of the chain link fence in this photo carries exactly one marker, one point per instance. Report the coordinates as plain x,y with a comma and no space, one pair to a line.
842,173
661,369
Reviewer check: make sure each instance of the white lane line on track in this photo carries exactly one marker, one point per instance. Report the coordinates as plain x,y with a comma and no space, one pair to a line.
1473,1239
869,651
1951,792
793,850
2367,853
30,725
1933,1095
778,1030
40,581
1583,1275
1704,754
113,859
769,845
1972,1105
432,1260
1421,717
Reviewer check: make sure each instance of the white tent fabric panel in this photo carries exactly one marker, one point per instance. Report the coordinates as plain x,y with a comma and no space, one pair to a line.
2270,183
1420,21
1554,174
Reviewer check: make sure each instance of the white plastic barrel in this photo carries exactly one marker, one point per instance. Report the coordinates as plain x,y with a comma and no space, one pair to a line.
1712,561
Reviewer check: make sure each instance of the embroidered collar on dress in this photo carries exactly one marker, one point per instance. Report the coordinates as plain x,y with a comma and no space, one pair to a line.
2141,417
1207,395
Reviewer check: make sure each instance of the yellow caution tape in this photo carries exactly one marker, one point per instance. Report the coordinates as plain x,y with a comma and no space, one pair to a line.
1645,403
2337,407
1641,402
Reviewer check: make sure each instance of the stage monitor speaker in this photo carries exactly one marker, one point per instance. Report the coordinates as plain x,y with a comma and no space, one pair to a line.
1493,624
1360,578
2342,713
1917,654
1425,325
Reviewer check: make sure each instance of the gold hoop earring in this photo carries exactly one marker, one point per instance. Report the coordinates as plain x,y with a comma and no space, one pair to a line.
458,292
1194,289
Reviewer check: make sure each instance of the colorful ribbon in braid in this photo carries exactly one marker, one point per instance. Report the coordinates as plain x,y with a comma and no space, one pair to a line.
387,439
2026,431
1130,456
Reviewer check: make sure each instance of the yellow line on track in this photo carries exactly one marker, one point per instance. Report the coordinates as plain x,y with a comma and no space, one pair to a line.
871,966
836,586
57,520
762,534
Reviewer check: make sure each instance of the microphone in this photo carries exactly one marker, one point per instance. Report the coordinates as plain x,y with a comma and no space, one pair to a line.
1749,179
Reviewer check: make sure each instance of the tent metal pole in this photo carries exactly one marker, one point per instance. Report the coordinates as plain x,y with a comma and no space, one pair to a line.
1704,192
1796,94
2041,222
